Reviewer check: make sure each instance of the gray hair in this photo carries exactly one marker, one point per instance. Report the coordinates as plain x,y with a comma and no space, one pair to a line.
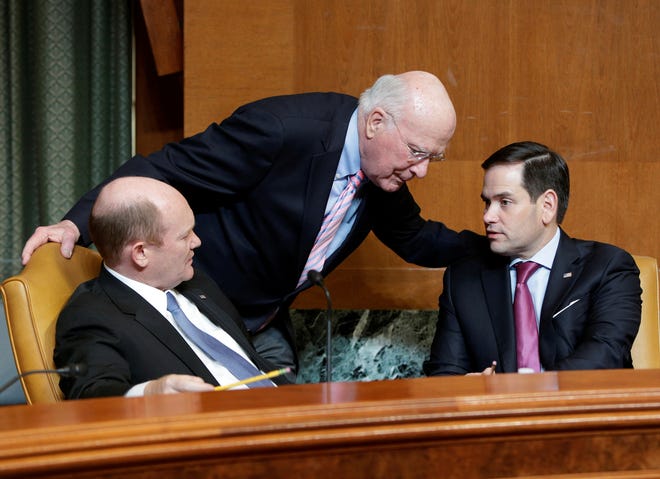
389,92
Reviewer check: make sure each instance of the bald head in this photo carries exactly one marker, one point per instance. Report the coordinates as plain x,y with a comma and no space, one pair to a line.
404,121
135,189
416,95
143,228
129,209
429,102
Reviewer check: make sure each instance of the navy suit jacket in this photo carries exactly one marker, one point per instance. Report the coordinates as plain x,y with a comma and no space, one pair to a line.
258,184
125,341
476,326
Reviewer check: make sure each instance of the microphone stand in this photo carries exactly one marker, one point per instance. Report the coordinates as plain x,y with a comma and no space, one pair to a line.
316,278
72,370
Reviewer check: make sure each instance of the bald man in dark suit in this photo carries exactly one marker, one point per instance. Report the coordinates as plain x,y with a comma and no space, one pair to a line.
121,324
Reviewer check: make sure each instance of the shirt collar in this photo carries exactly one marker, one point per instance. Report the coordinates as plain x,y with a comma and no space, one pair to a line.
350,155
153,296
545,256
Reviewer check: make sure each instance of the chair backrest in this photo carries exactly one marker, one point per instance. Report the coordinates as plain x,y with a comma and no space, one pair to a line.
646,348
33,300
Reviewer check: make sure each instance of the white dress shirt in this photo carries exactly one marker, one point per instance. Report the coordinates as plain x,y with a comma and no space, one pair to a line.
157,298
538,281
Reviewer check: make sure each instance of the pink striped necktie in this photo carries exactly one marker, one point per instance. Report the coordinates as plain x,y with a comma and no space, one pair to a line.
527,336
330,226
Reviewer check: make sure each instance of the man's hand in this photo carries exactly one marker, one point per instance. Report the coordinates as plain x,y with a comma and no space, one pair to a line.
490,370
64,232
176,383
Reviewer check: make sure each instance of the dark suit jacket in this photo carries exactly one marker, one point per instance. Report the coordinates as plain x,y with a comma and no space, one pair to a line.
125,341
476,326
258,184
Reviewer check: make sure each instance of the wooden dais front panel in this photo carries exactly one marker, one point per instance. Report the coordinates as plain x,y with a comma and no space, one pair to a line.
567,424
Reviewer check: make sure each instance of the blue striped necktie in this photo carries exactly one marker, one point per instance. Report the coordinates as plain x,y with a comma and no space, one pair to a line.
227,357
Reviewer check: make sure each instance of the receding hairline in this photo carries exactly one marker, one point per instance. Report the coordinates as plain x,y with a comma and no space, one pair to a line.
132,189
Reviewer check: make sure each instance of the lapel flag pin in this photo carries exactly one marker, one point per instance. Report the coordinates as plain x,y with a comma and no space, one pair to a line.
568,275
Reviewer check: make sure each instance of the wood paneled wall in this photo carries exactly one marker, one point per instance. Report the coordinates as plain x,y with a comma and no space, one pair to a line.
158,97
579,76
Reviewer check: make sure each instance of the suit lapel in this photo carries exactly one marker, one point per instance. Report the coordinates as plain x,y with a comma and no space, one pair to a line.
321,174
566,268
133,306
497,290
322,169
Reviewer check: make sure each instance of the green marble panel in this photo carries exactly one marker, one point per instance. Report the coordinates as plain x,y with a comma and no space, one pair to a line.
367,345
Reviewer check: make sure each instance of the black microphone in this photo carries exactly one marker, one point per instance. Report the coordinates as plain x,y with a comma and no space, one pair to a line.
69,371
317,279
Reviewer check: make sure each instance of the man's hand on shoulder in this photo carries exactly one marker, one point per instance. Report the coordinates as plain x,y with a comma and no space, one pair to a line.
65,232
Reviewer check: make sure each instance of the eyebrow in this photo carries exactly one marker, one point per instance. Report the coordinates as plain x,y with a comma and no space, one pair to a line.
418,148
497,195
186,233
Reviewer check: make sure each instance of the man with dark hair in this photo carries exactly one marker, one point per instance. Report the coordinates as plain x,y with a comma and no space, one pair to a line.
537,300
150,323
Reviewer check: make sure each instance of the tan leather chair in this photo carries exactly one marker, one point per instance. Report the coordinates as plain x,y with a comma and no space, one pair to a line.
33,300
646,348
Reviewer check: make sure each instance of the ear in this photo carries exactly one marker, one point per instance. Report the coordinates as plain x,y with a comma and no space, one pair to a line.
139,254
376,120
548,202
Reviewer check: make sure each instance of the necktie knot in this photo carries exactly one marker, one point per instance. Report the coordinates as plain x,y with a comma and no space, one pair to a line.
524,270
172,304
357,179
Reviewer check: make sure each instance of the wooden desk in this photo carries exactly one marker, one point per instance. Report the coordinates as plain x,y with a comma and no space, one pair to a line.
580,424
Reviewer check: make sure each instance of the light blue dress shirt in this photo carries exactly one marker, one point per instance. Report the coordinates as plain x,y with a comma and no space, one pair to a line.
349,164
157,299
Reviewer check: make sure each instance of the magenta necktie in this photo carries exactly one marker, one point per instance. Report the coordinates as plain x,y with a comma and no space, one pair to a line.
527,336
330,226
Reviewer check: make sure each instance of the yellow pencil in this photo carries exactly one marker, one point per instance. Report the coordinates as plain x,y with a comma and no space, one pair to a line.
254,379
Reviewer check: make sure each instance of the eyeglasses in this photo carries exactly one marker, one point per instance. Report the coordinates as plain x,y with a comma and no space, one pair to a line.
416,154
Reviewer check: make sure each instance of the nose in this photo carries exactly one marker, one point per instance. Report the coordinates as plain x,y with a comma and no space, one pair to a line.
489,215
420,169
195,241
